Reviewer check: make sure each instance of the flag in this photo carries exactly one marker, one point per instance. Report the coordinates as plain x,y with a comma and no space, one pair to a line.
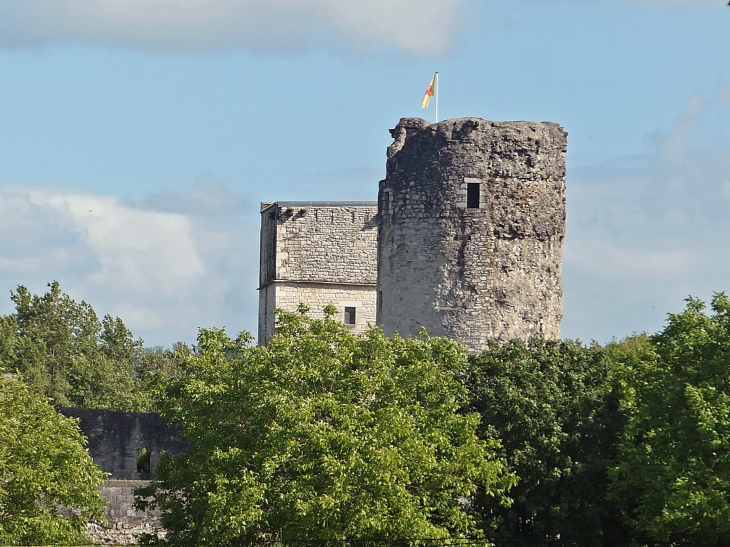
429,92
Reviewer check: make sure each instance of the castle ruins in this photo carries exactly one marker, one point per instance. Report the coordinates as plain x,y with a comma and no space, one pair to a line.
465,239
318,252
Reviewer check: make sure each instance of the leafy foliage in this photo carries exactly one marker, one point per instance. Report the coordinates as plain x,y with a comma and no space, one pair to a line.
672,475
553,406
8,328
322,435
65,353
154,366
47,479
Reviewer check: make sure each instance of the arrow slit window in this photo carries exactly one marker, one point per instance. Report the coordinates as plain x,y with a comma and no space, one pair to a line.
472,195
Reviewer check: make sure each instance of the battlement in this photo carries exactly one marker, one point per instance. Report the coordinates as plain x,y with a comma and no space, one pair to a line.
266,205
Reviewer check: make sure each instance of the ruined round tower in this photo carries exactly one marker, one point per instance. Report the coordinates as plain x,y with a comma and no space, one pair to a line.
471,229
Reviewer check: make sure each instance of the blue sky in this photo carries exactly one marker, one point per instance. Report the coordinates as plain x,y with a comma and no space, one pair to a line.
138,136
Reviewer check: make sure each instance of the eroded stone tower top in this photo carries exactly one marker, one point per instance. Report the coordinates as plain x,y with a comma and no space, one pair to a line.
471,229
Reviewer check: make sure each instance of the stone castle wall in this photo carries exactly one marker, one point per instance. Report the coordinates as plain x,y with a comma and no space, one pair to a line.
124,525
333,244
317,253
465,240
113,441
471,229
115,438
318,295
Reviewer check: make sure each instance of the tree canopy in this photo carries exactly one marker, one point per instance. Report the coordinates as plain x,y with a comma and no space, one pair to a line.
64,352
47,478
553,406
323,435
327,435
672,473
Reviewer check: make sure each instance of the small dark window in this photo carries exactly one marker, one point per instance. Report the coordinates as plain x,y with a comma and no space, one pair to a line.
349,316
385,205
143,460
472,195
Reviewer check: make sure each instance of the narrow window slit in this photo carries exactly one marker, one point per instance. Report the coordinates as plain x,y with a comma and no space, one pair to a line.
472,195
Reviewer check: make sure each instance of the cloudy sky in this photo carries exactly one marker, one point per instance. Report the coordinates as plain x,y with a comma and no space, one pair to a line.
137,138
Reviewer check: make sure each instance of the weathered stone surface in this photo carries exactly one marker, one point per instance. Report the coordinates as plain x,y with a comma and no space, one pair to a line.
124,524
492,271
114,439
317,253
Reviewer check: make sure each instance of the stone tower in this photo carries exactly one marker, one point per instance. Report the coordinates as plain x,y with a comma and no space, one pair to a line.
319,253
471,229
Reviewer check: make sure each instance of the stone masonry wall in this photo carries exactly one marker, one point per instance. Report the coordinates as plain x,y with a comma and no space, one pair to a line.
114,439
490,271
320,244
317,253
267,317
124,525
269,222
288,295
317,296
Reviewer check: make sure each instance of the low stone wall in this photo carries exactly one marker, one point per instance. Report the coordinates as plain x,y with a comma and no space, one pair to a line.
115,438
124,524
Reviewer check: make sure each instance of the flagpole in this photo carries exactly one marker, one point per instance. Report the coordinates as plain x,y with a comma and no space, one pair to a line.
436,96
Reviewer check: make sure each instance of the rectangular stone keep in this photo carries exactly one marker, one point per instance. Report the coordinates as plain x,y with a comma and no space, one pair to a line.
318,253
471,229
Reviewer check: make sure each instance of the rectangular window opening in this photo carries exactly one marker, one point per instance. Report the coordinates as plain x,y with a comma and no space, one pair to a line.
385,205
143,460
349,315
472,195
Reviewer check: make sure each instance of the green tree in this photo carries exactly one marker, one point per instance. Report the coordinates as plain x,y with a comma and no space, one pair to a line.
323,435
672,475
65,353
555,409
8,340
155,366
47,478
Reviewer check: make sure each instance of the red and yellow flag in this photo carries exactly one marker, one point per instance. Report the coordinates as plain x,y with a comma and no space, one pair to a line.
429,92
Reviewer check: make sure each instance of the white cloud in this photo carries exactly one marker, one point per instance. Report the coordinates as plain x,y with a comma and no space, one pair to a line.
164,272
136,250
642,240
194,26
416,26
